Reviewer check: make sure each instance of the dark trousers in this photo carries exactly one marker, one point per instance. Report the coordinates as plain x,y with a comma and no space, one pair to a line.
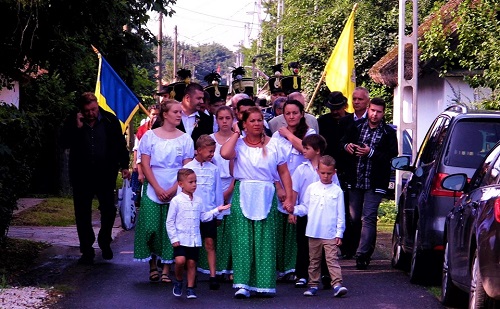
83,195
302,262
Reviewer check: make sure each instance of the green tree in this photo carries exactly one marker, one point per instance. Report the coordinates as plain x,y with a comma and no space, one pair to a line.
202,59
311,30
468,41
46,46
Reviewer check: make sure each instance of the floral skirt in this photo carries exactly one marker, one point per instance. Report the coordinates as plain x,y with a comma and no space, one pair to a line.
253,247
286,245
150,231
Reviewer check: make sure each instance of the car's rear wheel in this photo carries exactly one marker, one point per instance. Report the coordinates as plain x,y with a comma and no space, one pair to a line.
477,296
400,259
450,293
418,262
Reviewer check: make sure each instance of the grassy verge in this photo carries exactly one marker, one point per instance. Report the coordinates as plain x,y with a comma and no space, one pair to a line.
53,211
17,256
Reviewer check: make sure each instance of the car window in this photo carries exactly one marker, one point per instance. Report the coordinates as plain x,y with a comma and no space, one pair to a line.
489,172
433,142
470,141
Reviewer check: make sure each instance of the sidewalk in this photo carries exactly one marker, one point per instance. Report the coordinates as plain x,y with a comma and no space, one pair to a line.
56,236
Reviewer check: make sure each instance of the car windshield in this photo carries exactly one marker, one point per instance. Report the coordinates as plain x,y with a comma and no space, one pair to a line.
471,140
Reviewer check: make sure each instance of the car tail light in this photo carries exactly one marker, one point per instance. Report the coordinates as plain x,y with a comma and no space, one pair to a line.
497,210
438,190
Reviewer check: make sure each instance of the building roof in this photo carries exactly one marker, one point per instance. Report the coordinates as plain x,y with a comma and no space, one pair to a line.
385,71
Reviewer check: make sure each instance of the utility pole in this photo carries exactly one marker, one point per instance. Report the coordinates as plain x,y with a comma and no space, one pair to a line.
175,52
279,38
160,50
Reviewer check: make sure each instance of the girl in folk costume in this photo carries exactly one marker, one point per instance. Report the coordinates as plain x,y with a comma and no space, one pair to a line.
257,162
290,142
162,152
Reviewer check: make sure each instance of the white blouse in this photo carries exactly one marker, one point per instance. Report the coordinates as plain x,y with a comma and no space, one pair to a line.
324,206
183,220
256,174
221,163
167,156
304,175
208,184
295,158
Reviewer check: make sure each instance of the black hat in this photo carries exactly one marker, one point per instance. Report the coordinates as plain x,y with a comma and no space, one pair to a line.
176,90
216,91
275,81
292,83
335,100
240,83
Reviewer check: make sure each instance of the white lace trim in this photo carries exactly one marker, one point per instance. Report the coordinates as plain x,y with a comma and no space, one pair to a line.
255,289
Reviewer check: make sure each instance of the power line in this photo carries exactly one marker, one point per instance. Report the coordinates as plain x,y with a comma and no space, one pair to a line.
223,18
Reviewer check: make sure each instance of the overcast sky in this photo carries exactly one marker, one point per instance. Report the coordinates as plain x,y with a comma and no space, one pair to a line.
227,22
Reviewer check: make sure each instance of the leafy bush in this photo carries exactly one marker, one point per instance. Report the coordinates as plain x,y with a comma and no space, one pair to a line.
387,212
19,138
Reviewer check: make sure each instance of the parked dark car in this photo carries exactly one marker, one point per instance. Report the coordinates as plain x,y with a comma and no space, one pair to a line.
407,151
456,142
472,237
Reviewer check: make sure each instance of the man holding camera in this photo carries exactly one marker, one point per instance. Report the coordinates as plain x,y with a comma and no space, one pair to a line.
370,145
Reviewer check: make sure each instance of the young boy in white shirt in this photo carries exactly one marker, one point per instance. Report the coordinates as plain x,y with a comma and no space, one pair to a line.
210,191
305,174
323,203
183,228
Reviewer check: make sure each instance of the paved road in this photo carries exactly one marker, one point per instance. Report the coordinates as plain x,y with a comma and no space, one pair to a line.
123,284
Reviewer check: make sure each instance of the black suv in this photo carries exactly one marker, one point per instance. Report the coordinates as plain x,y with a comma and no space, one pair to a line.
456,142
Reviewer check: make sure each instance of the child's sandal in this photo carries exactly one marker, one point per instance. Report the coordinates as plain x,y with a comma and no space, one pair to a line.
165,278
154,275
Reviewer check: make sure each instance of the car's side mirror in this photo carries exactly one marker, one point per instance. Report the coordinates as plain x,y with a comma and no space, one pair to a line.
401,163
455,182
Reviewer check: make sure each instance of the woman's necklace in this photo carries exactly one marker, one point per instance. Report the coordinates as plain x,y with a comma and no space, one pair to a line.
252,143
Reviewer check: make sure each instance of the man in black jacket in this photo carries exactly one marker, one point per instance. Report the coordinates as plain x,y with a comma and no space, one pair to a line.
193,122
370,145
97,151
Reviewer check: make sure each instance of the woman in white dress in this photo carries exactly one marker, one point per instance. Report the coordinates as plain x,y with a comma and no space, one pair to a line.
290,142
257,162
162,152
224,118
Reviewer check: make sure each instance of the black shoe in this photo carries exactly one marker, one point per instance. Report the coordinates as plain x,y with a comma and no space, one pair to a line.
86,260
327,282
107,253
213,284
362,263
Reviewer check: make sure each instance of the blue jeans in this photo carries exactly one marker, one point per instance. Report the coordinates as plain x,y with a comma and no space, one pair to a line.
363,210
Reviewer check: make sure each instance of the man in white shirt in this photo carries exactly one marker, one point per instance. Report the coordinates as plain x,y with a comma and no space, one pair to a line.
193,122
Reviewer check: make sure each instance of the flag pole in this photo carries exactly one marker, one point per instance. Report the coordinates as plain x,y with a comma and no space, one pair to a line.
316,90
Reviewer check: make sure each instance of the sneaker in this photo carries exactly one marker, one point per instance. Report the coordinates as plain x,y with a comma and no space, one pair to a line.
327,282
301,283
213,284
190,293
339,291
312,291
242,293
177,291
